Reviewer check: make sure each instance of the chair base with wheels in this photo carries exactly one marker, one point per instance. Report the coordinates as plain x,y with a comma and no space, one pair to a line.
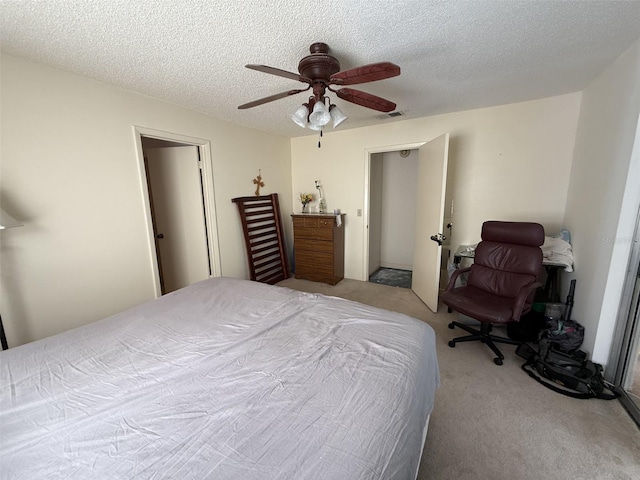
484,335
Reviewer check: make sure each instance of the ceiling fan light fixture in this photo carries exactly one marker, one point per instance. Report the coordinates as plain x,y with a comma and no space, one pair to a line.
336,115
319,71
320,115
300,116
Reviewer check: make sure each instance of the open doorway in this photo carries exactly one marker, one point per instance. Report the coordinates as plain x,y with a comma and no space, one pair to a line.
392,212
178,187
427,206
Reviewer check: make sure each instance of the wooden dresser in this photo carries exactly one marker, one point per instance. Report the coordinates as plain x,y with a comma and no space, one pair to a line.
319,247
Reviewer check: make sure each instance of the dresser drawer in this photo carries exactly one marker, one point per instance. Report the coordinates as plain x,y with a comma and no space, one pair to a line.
309,245
314,259
313,221
298,221
318,233
315,276
314,272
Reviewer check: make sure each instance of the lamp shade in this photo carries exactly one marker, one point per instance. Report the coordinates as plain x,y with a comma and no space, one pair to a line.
300,116
336,115
320,116
7,221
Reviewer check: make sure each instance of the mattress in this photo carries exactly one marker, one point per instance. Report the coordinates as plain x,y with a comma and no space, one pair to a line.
224,379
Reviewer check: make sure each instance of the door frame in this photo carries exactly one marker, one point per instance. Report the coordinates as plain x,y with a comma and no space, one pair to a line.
624,338
211,221
367,186
624,347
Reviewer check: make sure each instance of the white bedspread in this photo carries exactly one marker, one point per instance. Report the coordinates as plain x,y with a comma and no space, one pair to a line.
226,379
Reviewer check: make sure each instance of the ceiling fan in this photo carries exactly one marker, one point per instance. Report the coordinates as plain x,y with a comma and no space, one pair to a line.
321,71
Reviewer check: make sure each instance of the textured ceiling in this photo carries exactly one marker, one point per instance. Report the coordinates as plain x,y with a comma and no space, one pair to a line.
454,55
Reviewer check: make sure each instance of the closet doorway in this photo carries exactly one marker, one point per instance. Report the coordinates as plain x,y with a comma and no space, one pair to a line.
392,216
418,195
178,190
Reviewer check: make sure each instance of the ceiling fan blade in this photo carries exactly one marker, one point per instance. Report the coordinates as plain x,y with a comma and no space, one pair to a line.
366,73
271,98
279,73
365,99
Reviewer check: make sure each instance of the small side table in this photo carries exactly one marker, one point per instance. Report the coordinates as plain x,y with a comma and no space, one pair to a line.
464,251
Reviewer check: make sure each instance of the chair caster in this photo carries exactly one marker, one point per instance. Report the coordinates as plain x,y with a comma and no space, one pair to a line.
451,326
497,361
452,344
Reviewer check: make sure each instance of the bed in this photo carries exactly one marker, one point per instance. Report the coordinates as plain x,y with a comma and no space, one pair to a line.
224,379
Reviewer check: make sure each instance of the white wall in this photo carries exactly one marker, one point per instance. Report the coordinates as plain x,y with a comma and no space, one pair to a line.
70,173
510,162
603,198
399,191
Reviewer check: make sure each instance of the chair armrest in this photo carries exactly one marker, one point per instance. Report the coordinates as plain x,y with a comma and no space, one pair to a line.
454,277
522,297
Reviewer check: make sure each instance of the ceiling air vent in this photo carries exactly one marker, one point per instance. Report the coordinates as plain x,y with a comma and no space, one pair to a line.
390,115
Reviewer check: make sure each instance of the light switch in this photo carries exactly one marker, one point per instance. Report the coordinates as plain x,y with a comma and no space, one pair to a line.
359,212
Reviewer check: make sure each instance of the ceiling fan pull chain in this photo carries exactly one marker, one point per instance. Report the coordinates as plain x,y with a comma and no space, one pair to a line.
319,138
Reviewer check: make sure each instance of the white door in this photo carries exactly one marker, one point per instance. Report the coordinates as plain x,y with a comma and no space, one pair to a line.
432,179
178,215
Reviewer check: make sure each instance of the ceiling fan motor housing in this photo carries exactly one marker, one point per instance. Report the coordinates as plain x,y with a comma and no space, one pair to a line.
319,66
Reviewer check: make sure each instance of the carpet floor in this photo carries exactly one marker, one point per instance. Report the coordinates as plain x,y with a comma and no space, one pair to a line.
494,422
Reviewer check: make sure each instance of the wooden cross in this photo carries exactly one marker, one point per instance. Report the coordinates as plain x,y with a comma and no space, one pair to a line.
258,181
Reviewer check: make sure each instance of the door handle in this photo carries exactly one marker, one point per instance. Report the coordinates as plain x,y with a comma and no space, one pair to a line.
439,238
160,235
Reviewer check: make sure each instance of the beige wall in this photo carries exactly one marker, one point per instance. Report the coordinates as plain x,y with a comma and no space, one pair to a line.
399,192
70,173
510,162
603,198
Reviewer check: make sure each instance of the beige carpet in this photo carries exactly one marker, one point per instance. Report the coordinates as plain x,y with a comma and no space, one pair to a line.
494,422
